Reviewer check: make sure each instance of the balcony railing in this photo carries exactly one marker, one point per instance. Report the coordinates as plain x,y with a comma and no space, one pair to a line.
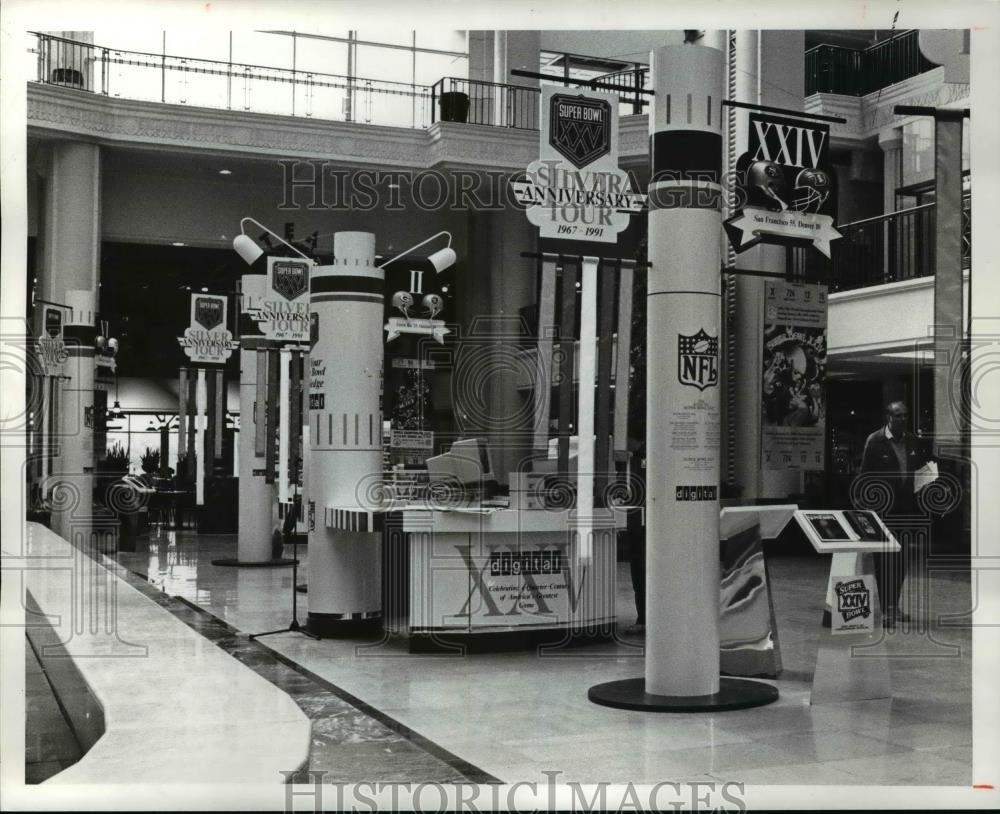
890,248
230,85
636,78
832,69
475,102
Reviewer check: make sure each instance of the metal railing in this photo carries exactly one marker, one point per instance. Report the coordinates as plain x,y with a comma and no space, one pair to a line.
636,78
890,248
476,102
230,85
833,69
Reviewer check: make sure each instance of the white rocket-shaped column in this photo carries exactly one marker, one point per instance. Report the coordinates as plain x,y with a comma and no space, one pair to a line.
682,404
345,438
683,314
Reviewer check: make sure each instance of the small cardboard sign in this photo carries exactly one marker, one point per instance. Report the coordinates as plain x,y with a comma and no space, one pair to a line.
854,610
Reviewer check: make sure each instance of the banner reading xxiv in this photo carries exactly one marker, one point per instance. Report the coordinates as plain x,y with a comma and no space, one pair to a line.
793,401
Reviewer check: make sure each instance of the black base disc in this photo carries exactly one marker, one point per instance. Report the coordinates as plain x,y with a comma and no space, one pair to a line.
734,693
330,627
232,561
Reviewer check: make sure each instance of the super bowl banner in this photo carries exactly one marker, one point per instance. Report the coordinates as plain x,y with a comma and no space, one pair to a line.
787,184
207,340
50,345
793,399
855,610
575,190
278,302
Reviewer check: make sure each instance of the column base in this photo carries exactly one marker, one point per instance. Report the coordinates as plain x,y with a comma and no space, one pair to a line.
232,561
338,626
734,693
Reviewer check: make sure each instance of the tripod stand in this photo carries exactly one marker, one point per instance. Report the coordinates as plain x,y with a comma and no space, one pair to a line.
288,529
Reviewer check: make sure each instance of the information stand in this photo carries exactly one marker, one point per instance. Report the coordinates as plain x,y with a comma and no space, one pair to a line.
851,664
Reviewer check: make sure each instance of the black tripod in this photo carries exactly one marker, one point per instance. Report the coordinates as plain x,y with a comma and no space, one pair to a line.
288,530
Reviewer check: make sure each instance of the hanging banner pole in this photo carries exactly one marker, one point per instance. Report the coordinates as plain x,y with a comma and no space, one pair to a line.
585,402
201,406
623,360
284,402
182,402
270,413
220,410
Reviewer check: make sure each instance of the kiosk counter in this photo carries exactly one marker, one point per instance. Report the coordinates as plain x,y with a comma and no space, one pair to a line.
483,576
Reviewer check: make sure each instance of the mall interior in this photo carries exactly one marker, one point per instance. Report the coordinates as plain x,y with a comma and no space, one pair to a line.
173,501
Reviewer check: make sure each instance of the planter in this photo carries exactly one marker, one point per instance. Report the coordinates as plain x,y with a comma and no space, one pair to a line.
454,106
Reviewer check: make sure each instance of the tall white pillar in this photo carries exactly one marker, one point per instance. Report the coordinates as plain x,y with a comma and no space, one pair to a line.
256,495
69,275
683,443
682,408
345,436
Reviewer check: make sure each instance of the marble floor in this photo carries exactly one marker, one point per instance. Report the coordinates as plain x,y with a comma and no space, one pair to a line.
49,744
513,716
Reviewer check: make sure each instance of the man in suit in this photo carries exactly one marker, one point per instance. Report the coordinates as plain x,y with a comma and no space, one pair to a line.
893,453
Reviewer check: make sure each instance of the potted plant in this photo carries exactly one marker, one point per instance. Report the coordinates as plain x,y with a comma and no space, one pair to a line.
150,463
454,106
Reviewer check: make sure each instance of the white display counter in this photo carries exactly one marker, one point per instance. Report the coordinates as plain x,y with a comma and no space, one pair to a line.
485,577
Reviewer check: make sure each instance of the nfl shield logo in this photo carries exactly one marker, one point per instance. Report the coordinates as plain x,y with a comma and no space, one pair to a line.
290,279
698,360
580,128
208,312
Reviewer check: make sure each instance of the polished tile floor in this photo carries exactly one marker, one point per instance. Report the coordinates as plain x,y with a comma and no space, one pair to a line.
513,716
49,744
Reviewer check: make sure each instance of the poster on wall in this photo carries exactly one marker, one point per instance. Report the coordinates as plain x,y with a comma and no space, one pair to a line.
207,340
575,190
787,185
793,394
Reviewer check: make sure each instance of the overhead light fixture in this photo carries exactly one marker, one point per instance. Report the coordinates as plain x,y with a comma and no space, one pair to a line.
225,172
440,260
250,251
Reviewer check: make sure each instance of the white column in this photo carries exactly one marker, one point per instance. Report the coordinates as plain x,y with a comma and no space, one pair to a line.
682,441
70,245
345,386
256,495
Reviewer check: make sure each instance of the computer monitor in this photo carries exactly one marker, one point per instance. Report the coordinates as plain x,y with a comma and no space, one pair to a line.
467,463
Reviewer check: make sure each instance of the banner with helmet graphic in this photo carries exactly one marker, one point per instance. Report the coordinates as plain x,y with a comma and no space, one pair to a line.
786,185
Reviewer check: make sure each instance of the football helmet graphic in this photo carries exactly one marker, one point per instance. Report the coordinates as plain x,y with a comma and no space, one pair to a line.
812,188
767,179
403,300
433,303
